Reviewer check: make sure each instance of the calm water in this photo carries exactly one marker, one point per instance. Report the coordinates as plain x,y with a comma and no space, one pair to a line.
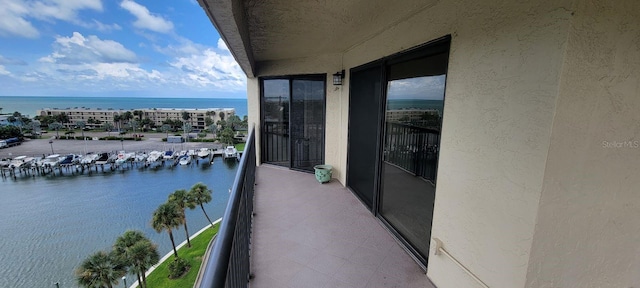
49,224
29,105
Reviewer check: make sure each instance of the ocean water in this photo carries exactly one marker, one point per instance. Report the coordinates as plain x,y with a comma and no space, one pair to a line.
29,105
49,224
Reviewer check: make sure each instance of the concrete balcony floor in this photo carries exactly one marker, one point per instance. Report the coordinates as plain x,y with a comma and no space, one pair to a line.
307,234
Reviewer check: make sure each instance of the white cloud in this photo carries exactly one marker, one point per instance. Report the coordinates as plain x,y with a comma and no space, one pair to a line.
11,61
222,45
145,19
4,71
210,69
77,50
13,22
66,10
15,14
104,27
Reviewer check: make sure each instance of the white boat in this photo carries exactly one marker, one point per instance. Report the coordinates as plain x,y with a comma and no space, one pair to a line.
124,157
141,157
168,155
5,163
192,152
103,158
154,156
204,152
185,160
51,161
89,158
37,162
17,162
230,152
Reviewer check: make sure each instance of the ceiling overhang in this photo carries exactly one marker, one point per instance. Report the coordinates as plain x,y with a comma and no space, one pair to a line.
272,30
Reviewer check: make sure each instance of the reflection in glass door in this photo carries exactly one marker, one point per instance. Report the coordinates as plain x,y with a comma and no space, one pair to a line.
413,117
293,121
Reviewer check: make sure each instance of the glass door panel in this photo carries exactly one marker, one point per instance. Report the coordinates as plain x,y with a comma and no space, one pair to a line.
275,122
364,121
307,118
413,117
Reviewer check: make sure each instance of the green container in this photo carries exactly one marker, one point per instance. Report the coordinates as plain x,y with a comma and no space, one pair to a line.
323,173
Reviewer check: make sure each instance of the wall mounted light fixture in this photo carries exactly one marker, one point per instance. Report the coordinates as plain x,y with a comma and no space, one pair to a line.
337,78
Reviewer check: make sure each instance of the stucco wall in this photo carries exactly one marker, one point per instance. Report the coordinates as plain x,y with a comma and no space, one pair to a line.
588,230
500,98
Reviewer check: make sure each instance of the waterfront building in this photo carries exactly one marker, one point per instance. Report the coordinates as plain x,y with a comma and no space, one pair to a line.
519,189
96,117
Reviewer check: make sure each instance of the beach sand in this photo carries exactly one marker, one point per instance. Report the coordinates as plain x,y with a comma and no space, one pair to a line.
152,141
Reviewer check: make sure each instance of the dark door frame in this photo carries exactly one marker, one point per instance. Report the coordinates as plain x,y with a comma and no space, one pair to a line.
291,78
430,48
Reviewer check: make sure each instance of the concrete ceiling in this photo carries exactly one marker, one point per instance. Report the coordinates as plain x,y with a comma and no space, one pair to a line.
268,30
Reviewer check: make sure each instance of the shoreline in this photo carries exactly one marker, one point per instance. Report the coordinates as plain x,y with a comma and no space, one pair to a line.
170,253
151,141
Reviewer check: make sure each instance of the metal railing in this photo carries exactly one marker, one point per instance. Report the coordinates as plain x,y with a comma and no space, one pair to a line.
228,263
412,148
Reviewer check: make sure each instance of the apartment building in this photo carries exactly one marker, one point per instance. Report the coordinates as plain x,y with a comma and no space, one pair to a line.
97,117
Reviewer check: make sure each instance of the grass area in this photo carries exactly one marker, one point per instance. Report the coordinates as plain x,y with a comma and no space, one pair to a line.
159,277
240,146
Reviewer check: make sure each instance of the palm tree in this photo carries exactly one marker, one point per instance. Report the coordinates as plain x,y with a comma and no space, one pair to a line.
81,124
165,128
99,270
136,252
167,217
183,199
116,119
200,194
144,255
108,127
55,126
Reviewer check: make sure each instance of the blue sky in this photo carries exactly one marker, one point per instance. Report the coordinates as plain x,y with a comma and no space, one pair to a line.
126,48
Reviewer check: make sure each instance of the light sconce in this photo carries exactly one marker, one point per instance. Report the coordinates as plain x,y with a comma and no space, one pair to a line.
337,78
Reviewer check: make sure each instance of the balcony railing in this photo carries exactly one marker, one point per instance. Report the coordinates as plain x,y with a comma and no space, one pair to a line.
228,262
412,148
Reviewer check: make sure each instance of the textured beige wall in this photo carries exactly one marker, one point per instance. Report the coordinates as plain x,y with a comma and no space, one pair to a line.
253,108
588,230
529,194
501,90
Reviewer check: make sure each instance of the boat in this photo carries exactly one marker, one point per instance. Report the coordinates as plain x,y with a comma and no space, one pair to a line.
154,156
103,158
141,157
204,152
5,163
17,162
168,155
89,158
124,157
51,161
230,152
185,160
192,152
69,159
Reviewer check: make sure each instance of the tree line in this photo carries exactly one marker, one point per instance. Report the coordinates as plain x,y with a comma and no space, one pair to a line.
134,253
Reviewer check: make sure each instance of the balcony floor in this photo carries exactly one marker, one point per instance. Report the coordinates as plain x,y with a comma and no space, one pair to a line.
307,234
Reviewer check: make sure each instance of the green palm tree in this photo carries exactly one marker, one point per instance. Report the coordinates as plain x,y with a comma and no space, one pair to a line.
99,270
183,199
144,255
137,252
200,194
167,217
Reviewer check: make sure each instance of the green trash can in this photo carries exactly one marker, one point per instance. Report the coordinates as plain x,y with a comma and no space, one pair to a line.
323,173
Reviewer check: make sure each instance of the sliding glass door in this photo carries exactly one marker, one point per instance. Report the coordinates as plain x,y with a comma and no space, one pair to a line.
395,115
293,121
